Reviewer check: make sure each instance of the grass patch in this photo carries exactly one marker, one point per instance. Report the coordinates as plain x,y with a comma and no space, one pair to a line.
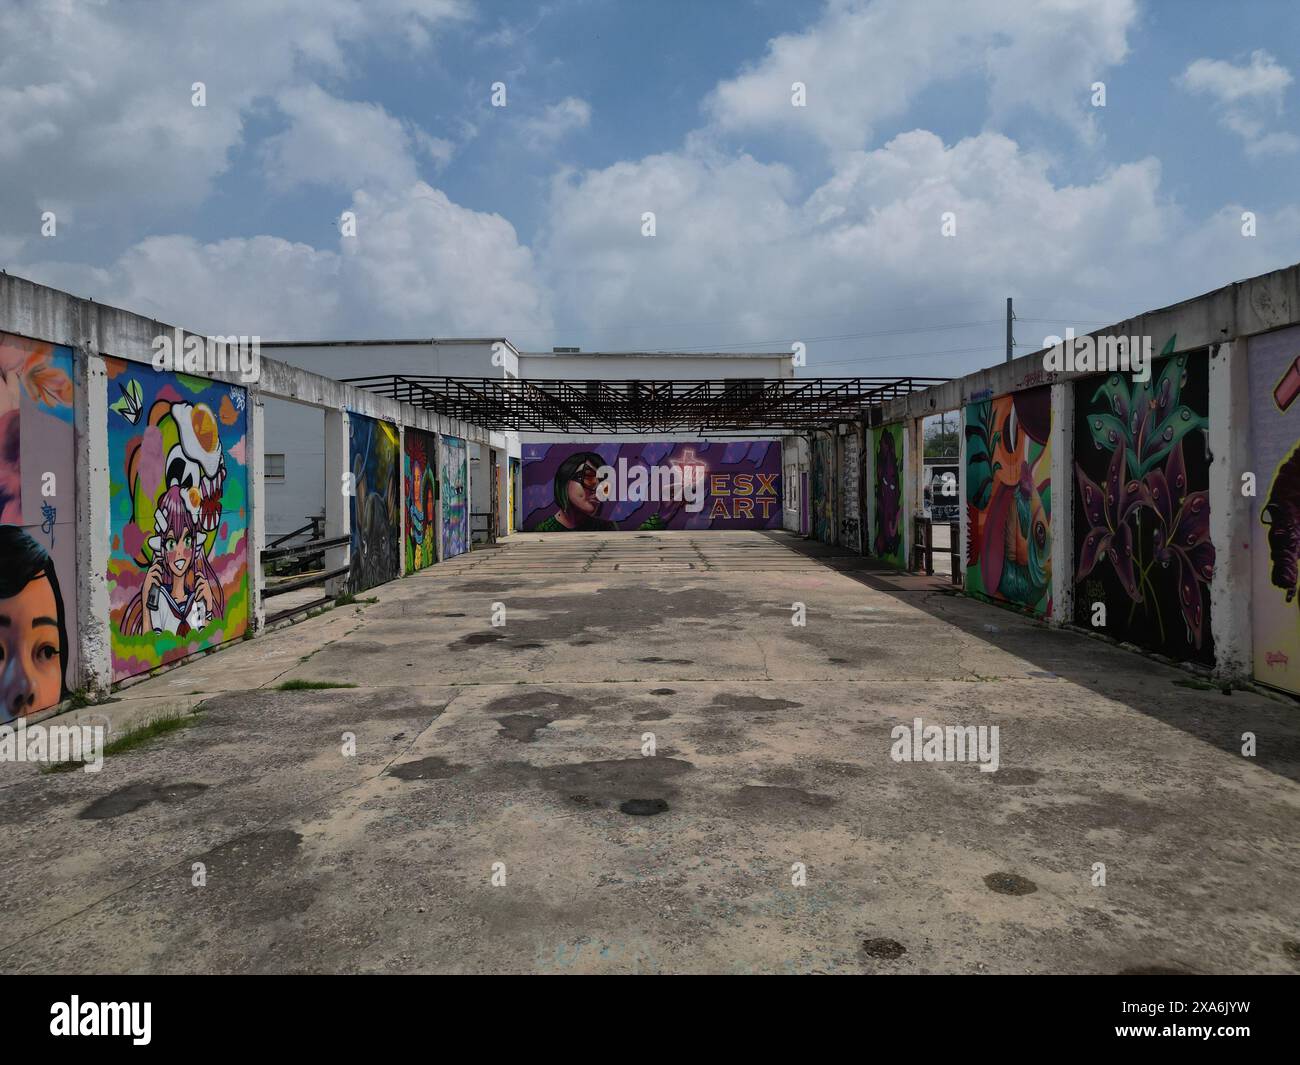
349,599
132,738
1199,685
310,685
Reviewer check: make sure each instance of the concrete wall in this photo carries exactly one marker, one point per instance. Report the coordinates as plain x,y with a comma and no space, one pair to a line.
1180,558
138,434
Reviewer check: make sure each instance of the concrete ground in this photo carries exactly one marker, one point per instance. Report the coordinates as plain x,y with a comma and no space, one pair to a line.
515,754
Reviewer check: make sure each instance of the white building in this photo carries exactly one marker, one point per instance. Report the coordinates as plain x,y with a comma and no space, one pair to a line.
295,488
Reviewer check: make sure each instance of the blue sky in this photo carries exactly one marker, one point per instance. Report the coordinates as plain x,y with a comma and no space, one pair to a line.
774,223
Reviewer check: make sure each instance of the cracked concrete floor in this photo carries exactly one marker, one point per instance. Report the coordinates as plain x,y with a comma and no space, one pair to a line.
512,753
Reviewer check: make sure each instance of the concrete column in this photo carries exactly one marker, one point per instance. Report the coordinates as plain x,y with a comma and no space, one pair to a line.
93,625
1062,437
338,488
401,500
869,490
1230,511
254,451
964,531
437,519
914,432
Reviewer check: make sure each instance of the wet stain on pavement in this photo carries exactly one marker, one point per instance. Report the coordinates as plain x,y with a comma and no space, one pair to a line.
889,949
1010,884
653,715
663,691
522,727
557,704
643,807
476,639
134,796
750,703
431,768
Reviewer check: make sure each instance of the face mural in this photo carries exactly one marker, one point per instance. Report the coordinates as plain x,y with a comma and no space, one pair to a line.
887,535
659,485
372,449
1009,499
37,526
178,569
455,498
1142,508
420,482
822,502
1275,510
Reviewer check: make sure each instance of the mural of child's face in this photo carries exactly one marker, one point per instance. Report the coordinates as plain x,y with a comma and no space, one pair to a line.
582,489
31,666
178,553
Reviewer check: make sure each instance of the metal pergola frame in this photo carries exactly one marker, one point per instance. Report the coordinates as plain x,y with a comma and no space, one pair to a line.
641,407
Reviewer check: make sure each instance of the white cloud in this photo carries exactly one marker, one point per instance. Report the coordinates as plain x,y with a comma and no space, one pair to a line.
557,121
1243,95
865,61
343,143
419,265
1263,78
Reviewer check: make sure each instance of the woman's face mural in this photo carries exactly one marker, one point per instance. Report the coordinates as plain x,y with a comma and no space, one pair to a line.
33,639
582,490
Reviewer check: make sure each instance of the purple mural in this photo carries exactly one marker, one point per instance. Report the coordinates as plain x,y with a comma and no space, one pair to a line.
691,484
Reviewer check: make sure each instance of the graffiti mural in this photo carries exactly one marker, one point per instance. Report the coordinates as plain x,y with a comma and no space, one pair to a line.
178,484
37,526
1009,500
1275,510
660,485
890,519
823,502
1142,507
851,470
420,483
373,505
455,498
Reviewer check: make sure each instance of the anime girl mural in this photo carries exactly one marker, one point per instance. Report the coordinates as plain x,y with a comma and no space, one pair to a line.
178,566
181,593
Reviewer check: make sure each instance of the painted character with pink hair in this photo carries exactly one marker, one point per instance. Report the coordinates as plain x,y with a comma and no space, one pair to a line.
181,592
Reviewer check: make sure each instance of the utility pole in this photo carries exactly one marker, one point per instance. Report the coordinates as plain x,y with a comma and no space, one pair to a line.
1011,317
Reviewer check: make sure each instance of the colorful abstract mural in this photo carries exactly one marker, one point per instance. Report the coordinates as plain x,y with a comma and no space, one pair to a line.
38,581
890,516
373,505
1009,500
739,486
455,498
1275,510
178,483
822,502
420,492
1142,507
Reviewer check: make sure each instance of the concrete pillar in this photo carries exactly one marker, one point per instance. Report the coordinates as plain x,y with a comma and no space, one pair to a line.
338,498
914,433
401,500
1062,437
254,453
1230,511
963,517
869,490
93,625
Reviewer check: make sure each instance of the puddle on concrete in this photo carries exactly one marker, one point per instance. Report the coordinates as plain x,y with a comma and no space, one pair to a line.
522,727
1010,884
643,807
134,796
476,639
883,948
653,715
663,691
453,615
431,768
605,780
256,852
1014,776
557,703
527,646
750,703
1156,970
667,661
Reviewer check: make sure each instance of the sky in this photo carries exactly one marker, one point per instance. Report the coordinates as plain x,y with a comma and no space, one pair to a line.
821,224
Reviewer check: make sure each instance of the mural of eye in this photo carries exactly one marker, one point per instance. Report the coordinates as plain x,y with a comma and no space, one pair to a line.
1040,534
